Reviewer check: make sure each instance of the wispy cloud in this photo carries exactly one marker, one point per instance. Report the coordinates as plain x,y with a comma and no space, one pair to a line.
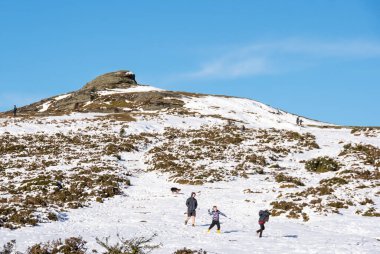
280,56
231,66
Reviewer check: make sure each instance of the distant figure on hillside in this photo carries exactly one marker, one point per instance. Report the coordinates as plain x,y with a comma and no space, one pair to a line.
263,218
243,128
192,205
14,111
215,218
59,185
298,120
301,121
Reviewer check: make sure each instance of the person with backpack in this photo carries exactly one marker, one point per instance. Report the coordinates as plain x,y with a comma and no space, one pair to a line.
215,213
192,205
263,218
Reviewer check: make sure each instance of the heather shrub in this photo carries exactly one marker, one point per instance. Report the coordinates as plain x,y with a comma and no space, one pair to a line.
322,165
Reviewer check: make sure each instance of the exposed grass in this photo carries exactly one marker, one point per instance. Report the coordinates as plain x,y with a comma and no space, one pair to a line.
280,178
367,153
322,165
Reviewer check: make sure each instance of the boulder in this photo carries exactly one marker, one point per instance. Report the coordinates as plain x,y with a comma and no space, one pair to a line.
111,80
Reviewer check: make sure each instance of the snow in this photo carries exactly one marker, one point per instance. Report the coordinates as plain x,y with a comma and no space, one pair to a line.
33,126
149,207
136,89
250,112
45,106
61,97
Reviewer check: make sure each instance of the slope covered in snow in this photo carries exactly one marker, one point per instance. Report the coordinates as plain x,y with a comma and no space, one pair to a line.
101,162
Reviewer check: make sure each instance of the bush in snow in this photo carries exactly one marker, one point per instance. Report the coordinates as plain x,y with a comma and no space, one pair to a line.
280,178
367,153
322,164
189,251
73,245
9,248
137,245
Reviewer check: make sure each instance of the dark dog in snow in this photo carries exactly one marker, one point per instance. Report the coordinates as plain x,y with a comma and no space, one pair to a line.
175,190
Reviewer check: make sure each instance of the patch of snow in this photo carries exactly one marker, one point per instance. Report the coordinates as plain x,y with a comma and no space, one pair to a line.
61,97
252,113
45,106
87,103
136,89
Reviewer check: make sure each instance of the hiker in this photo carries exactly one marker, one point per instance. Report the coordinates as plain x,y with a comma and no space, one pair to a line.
263,217
192,205
14,111
215,213
301,121
298,120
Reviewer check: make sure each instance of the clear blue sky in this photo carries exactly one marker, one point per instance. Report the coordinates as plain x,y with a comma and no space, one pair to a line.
320,59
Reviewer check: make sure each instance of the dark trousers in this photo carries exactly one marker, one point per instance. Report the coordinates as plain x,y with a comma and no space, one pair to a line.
214,222
262,228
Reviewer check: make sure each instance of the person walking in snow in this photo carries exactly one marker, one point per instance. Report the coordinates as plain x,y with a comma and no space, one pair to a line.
301,121
192,205
14,111
215,213
263,218
298,120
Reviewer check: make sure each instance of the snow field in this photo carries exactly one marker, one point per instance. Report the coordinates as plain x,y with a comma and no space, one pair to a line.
149,207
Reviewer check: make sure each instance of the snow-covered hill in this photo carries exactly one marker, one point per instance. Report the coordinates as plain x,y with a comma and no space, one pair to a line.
101,161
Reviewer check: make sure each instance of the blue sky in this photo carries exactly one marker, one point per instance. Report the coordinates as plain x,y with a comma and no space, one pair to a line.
320,59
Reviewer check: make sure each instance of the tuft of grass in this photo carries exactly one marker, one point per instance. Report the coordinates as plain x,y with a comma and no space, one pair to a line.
73,245
189,251
371,212
334,181
280,178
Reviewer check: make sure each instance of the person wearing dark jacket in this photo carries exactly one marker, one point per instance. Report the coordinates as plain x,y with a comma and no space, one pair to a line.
192,205
215,213
14,111
263,218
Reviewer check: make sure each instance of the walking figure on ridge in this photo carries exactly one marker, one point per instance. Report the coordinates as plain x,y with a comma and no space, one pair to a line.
14,110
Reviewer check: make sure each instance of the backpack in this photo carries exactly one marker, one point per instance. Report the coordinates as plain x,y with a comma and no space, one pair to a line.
264,216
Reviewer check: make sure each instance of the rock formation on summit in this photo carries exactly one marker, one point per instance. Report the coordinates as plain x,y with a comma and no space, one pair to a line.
111,80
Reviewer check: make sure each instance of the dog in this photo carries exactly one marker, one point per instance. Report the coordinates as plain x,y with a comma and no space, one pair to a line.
175,190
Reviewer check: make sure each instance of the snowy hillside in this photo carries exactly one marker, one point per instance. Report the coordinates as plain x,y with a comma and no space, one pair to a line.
100,161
